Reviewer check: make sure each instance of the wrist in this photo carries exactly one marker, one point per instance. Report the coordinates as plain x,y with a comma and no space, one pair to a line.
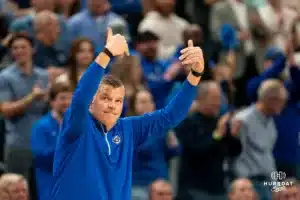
102,59
196,72
217,136
29,98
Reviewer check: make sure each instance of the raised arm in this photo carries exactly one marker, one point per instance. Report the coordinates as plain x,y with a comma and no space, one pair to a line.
178,108
273,72
77,114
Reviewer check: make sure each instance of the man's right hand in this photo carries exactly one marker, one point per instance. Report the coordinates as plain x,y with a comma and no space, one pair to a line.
116,44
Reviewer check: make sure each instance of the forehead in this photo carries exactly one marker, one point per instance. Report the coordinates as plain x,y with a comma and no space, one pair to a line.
21,41
108,90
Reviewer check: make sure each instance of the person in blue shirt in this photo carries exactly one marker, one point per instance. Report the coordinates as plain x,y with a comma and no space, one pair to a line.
151,159
44,136
94,151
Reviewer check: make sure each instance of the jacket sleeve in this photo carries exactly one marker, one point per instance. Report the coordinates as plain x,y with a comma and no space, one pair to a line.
77,114
166,118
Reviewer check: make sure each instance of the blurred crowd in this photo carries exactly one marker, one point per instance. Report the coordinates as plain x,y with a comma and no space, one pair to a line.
250,91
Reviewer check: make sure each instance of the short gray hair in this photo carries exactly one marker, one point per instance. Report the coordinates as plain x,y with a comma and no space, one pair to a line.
44,18
272,87
204,87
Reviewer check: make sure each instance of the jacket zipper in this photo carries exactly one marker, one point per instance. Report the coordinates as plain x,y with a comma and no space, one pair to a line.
106,140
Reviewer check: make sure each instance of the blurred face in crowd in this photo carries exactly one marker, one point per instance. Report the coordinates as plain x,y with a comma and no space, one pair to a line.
194,33
242,189
98,7
161,190
210,102
267,64
47,28
18,191
165,7
85,54
222,72
61,102
22,51
148,49
107,104
274,103
143,102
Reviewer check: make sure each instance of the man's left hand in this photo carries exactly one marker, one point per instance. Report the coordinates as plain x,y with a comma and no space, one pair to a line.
192,56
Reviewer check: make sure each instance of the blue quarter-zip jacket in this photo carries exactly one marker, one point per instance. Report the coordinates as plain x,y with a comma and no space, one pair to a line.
90,164
43,142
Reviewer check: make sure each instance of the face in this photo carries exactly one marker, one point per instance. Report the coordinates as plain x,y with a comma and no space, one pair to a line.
243,189
165,7
65,2
222,73
144,103
107,104
85,54
18,191
148,49
290,193
212,102
267,64
97,7
275,103
61,102
137,74
161,192
22,51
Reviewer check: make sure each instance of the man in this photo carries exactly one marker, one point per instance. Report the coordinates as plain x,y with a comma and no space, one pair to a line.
206,145
160,190
13,187
94,152
242,189
290,192
22,102
98,17
166,25
44,135
258,136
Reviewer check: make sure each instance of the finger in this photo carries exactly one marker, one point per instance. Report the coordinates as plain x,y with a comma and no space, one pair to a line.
188,52
192,61
109,34
192,56
193,52
190,43
186,49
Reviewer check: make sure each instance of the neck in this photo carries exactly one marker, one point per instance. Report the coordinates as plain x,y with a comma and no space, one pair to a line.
26,67
261,108
204,111
66,11
107,127
81,69
56,115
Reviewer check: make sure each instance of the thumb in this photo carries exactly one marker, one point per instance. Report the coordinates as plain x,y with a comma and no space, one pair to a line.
190,43
109,34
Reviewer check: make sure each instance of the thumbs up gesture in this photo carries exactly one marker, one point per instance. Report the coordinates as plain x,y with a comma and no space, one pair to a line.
116,44
192,56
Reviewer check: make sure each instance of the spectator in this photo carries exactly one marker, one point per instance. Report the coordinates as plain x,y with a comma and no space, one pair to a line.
129,70
151,158
206,144
67,8
47,29
166,25
82,54
160,190
13,187
290,192
286,150
258,136
234,13
61,44
22,102
97,17
153,67
43,137
277,19
242,189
